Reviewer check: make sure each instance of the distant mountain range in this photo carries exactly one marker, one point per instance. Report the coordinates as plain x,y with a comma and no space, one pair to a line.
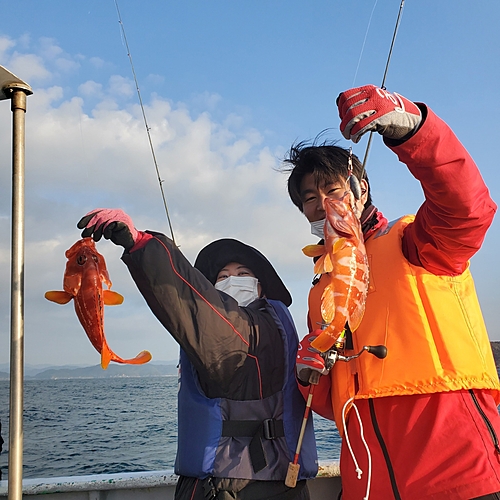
114,370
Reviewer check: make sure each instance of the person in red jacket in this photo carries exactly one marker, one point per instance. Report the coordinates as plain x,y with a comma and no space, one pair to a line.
422,423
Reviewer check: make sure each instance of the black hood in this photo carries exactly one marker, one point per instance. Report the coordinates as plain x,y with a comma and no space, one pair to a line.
217,254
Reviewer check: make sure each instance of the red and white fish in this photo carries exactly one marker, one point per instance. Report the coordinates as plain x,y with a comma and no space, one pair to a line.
343,257
83,278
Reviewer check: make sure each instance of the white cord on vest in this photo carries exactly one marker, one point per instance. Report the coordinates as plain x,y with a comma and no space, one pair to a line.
358,469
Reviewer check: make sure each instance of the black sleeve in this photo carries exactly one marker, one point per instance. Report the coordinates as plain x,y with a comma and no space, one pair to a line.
215,333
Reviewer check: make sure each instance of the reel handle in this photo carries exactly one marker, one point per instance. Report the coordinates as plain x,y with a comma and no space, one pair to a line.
379,351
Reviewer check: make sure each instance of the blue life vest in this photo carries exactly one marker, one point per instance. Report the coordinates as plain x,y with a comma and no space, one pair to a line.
260,439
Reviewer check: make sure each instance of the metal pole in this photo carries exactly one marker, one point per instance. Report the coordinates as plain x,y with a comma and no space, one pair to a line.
13,88
15,488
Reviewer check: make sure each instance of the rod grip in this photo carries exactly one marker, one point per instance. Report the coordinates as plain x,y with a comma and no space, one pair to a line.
292,475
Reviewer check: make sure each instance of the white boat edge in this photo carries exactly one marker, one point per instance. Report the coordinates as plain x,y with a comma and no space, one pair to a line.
149,485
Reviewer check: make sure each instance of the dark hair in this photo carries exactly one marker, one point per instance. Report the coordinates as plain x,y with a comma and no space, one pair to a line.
326,161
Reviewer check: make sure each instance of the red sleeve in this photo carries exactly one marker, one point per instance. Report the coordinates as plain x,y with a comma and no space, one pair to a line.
321,402
450,226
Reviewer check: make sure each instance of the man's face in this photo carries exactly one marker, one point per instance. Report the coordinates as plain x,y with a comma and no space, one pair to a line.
313,196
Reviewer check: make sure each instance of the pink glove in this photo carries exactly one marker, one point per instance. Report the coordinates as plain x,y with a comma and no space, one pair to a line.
112,223
371,108
309,359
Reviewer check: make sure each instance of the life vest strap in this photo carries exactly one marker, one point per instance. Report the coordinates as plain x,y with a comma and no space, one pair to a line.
269,428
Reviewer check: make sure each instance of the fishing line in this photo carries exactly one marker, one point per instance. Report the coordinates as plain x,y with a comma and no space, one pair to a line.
148,129
364,42
396,27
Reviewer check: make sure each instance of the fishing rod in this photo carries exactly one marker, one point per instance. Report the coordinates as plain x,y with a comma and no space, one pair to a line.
396,27
148,128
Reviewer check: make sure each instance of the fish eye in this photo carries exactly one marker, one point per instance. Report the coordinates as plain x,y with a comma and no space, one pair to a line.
81,259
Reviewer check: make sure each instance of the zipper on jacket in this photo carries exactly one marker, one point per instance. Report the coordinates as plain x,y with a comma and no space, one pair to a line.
488,424
381,441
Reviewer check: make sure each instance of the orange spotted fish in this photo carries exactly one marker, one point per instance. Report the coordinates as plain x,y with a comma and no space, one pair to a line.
343,257
83,278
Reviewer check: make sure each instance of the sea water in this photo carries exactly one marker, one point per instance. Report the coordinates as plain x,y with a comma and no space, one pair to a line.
76,427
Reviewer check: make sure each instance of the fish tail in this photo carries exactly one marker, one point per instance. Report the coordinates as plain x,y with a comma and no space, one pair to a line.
325,340
142,358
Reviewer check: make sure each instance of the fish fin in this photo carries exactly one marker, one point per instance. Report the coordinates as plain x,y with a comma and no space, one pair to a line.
355,318
319,266
59,297
112,298
328,304
328,263
339,243
324,341
314,250
341,226
140,359
106,355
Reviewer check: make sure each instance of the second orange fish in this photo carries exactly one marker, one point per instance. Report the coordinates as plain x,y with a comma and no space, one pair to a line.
343,257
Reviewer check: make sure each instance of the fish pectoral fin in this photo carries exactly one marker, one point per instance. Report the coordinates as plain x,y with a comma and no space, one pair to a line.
59,297
355,318
112,298
319,266
328,304
314,250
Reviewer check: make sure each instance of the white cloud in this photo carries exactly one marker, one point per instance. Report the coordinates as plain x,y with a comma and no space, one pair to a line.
29,67
90,89
6,43
91,150
120,86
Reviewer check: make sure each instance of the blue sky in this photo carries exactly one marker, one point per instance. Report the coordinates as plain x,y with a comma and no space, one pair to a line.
228,86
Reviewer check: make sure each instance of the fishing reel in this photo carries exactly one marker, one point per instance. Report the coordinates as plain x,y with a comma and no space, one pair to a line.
336,352
333,355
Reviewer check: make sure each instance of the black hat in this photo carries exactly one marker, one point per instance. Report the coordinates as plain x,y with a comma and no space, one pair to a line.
217,254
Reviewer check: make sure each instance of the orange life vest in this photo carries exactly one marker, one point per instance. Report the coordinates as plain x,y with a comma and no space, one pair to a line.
432,327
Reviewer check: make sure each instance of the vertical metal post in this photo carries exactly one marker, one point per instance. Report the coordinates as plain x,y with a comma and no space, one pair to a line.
18,107
17,90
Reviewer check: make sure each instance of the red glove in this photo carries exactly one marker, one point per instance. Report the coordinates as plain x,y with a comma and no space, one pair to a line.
112,223
371,108
309,359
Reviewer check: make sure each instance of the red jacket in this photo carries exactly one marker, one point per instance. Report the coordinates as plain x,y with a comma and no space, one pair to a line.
436,446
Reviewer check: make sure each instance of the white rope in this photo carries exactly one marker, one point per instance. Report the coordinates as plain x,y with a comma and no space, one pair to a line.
346,434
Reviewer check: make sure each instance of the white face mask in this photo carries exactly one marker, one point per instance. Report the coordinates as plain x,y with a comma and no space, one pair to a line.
317,228
243,289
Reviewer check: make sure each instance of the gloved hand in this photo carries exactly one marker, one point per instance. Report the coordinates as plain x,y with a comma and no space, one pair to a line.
309,360
371,108
112,223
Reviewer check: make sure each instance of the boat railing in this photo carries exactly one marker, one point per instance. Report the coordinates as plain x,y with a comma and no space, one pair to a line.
139,485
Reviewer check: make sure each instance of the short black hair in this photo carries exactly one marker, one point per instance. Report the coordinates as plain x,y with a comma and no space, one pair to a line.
326,161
